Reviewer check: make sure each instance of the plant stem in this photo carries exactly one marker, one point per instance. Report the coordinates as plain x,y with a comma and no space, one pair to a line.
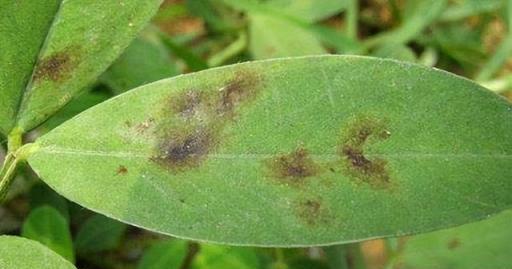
16,152
352,19
7,175
230,51
14,140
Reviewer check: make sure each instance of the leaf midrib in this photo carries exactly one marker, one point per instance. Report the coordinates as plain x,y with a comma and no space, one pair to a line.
125,154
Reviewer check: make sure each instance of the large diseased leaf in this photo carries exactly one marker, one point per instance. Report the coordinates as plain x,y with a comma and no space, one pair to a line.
52,49
290,152
20,253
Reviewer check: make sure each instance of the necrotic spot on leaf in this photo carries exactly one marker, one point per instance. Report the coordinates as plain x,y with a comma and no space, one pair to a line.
453,244
57,66
312,212
193,120
360,132
293,167
122,170
188,149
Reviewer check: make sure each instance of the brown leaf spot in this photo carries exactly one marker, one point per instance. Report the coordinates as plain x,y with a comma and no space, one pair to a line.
237,91
186,105
188,149
122,170
312,212
453,244
193,120
356,163
55,67
293,167
142,127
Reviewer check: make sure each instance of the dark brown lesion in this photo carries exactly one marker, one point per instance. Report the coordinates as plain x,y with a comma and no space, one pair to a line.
361,132
122,170
293,167
186,150
192,120
57,66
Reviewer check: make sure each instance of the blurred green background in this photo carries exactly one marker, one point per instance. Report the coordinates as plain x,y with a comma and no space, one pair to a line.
468,37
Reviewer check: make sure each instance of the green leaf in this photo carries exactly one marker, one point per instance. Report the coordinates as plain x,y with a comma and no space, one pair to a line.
46,225
469,8
174,253
41,195
164,255
309,10
56,48
99,233
145,60
397,52
220,257
421,13
23,27
484,244
78,104
272,36
290,152
20,253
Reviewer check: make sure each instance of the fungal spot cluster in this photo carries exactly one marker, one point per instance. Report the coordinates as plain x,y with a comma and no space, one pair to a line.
55,67
196,118
293,167
369,170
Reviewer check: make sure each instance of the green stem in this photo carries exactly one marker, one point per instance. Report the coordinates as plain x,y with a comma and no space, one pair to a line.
14,140
16,152
352,19
230,51
7,175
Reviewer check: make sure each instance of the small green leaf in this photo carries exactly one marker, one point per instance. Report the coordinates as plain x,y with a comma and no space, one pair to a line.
419,15
289,152
174,253
272,37
397,52
164,255
145,60
309,10
99,233
484,244
47,226
20,253
467,8
55,48
220,257
41,195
